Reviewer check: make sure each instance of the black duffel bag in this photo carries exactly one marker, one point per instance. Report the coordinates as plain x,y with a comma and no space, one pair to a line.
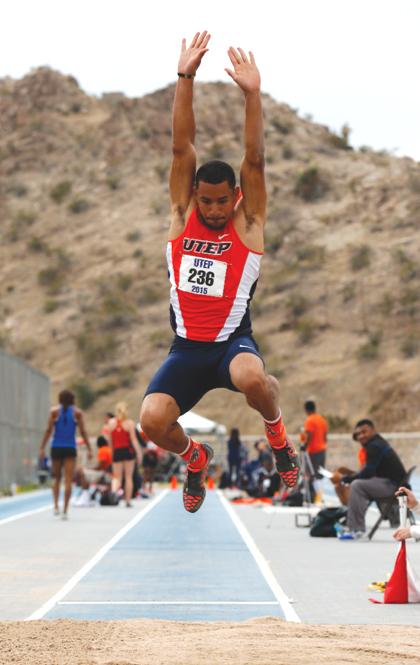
323,525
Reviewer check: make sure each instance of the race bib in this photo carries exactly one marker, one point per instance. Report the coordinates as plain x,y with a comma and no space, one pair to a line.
203,276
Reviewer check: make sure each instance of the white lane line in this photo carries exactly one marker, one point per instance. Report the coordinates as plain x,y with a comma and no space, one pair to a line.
27,513
168,602
46,607
289,612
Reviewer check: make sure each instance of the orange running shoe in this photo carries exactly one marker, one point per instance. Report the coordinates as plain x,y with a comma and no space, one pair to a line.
194,491
287,464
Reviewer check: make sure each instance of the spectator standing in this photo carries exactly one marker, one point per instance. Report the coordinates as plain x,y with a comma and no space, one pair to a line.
315,441
63,421
234,456
125,449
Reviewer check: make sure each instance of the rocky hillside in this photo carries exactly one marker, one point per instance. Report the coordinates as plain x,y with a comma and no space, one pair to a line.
83,219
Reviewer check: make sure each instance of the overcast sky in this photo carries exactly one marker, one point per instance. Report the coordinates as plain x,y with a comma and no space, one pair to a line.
354,61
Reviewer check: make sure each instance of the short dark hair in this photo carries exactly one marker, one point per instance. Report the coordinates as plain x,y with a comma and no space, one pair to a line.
101,441
365,421
310,406
109,414
66,398
215,172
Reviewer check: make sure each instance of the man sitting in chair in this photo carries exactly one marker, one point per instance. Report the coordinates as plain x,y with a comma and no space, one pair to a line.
378,479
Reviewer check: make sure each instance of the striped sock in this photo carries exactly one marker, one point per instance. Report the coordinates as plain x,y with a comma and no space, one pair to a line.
275,432
195,455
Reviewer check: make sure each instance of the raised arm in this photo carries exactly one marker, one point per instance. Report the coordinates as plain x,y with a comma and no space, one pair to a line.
246,75
181,180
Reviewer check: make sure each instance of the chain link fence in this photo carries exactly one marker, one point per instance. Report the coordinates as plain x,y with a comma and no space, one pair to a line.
24,407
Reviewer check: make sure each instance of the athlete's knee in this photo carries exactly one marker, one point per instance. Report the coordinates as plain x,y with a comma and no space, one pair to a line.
155,419
254,383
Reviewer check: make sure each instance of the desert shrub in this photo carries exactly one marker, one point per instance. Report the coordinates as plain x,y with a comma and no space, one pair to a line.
309,185
37,245
60,191
25,349
410,346
408,269
149,295
85,394
310,256
133,236
370,349
123,282
79,205
386,305
338,423
95,347
160,339
348,292
282,126
306,330
409,300
143,133
18,189
287,152
52,278
296,305
360,257
50,305
113,182
161,171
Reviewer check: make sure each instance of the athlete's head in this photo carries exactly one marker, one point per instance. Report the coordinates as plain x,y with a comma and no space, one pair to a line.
66,398
215,193
310,406
121,411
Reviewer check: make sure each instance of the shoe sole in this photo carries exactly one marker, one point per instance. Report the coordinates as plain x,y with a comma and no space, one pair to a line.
210,455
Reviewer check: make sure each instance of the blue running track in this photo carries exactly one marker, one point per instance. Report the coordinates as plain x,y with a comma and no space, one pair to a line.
173,565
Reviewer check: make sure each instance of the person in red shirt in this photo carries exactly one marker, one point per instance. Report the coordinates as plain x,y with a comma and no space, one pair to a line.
315,440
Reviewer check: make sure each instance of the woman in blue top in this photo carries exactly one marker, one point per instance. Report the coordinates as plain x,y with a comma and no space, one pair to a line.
62,423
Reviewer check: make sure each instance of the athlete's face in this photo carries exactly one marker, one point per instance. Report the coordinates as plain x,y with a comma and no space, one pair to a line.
215,203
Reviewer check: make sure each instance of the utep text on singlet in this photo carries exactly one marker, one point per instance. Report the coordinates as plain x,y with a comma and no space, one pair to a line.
64,429
213,277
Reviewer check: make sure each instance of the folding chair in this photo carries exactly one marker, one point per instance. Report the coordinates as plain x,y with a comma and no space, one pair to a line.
390,504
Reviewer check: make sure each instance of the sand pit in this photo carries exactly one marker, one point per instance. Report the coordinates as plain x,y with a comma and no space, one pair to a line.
266,641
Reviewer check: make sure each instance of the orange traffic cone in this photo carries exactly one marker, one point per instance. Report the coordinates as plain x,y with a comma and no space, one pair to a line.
173,483
210,483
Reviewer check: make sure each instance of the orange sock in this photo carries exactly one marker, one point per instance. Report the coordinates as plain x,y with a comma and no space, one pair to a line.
195,455
275,432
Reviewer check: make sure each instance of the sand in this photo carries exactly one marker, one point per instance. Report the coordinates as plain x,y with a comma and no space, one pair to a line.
262,641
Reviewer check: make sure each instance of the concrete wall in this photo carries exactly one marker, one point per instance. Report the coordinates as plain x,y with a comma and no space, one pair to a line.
24,406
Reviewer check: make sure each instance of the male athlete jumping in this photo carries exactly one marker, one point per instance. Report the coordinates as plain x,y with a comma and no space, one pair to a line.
214,252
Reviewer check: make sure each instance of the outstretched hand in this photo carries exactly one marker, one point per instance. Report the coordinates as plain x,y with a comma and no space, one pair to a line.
245,72
190,58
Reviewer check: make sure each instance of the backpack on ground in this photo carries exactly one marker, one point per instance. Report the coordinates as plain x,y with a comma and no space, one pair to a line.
109,498
323,525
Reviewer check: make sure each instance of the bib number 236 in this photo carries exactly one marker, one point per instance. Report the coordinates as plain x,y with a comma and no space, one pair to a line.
202,276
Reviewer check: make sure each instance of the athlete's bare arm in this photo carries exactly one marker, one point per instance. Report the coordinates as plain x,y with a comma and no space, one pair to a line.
253,205
47,435
131,430
181,179
81,423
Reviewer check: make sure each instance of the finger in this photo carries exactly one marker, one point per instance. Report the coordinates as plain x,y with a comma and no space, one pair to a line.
207,39
231,73
194,41
201,38
251,58
184,45
234,56
243,54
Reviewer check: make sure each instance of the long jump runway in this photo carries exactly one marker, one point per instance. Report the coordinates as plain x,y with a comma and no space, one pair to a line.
168,564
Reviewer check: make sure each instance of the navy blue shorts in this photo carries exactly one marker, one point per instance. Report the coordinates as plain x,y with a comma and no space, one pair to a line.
193,368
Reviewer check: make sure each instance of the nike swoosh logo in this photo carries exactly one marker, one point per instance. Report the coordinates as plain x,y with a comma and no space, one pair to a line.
244,346
223,236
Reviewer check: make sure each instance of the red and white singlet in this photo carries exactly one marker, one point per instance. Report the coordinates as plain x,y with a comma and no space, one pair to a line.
213,277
